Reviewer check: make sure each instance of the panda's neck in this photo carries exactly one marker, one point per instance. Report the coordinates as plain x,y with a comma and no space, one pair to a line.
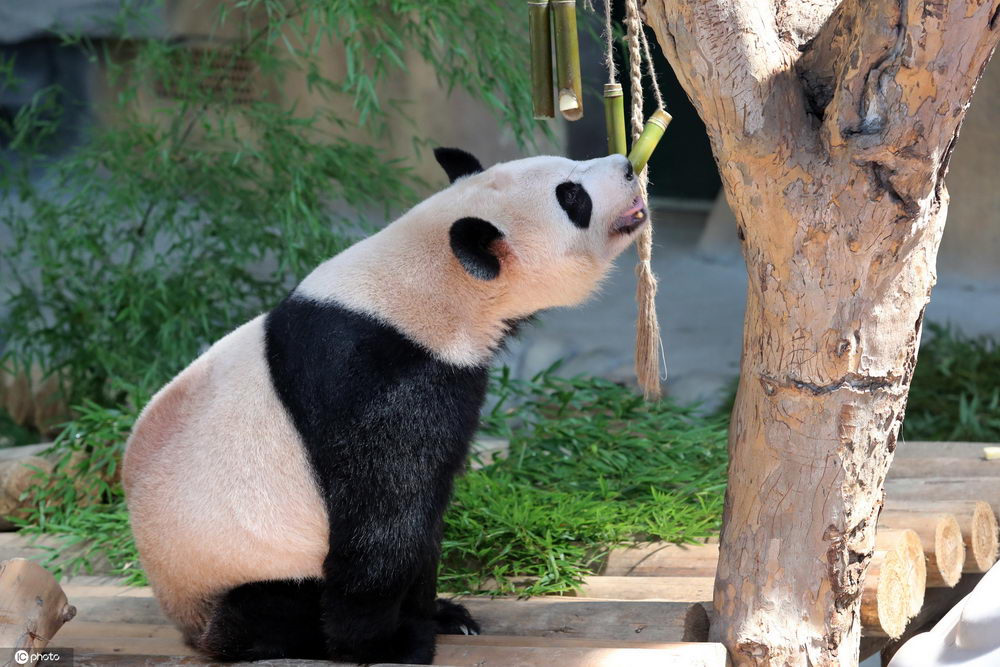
414,286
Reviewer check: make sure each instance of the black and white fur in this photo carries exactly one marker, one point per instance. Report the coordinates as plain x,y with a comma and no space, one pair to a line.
287,489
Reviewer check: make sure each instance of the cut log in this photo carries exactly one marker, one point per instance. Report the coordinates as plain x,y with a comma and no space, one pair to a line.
33,399
33,605
939,601
923,449
944,468
660,559
942,542
908,545
886,594
975,519
926,490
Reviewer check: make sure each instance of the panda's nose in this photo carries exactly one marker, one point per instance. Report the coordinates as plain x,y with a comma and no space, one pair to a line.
629,171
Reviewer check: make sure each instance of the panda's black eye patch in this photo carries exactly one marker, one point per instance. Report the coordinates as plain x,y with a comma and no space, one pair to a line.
576,202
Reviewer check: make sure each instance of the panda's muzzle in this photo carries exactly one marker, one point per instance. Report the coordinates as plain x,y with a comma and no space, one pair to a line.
632,219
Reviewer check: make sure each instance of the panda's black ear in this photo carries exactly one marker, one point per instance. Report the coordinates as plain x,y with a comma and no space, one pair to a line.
478,245
457,163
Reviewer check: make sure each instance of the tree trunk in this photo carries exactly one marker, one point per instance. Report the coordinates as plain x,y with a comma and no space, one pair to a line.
832,125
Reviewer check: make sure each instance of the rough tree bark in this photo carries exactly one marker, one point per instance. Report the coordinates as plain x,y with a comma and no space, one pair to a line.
832,124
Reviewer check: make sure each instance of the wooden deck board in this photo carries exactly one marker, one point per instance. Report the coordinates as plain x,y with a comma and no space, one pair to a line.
140,643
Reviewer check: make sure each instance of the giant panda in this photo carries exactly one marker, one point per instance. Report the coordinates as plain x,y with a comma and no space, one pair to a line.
286,490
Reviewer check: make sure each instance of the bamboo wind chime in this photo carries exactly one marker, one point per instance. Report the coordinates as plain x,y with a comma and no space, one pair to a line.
548,18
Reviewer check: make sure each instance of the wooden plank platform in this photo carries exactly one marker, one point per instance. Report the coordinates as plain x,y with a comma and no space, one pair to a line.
116,624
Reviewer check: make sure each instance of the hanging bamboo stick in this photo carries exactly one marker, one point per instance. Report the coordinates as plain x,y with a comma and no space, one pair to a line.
614,117
653,131
568,78
541,59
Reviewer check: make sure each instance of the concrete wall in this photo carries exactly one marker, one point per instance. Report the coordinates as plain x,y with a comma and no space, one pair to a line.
970,249
971,243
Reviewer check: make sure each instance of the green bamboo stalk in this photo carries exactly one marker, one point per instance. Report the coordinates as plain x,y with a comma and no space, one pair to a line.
568,78
541,59
614,118
652,132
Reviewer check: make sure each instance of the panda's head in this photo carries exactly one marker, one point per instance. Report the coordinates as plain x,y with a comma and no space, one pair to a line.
543,230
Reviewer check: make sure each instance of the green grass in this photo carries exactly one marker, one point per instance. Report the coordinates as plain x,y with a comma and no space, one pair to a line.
955,393
591,465
84,504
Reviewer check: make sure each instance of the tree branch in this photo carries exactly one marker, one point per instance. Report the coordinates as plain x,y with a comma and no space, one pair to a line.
734,60
892,79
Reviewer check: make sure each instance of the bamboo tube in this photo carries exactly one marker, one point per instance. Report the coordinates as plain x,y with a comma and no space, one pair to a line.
541,59
614,118
569,83
652,132
887,594
975,519
908,544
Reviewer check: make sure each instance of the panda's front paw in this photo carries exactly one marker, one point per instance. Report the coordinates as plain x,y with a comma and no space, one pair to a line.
454,619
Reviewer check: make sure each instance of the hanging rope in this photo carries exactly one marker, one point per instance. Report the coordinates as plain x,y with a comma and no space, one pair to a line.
609,39
647,336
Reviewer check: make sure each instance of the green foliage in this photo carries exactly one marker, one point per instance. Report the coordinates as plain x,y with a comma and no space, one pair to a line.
591,465
199,205
82,501
13,435
955,394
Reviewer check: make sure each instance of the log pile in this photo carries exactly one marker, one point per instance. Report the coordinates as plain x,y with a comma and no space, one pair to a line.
893,591
939,523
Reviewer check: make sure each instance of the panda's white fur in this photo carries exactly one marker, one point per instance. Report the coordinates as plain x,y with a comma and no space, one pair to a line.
219,484
219,489
406,275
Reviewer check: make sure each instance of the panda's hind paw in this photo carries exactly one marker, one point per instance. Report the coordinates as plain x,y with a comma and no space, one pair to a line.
454,619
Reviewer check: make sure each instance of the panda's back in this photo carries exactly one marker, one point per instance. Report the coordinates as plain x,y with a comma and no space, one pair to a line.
219,487
235,467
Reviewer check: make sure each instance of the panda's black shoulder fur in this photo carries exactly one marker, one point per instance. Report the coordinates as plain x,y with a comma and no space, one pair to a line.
354,385
386,427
